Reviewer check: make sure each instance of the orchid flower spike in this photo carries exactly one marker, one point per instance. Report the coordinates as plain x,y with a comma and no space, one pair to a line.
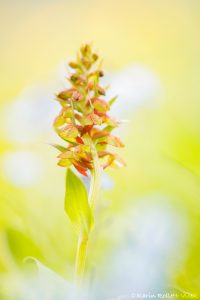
84,121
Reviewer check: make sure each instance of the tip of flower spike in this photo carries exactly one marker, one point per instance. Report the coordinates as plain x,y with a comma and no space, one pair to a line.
85,49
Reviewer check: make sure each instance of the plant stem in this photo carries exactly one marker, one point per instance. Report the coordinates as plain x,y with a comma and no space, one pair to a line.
73,116
81,258
95,184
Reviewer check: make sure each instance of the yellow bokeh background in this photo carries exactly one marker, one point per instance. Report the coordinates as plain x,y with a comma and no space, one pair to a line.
162,140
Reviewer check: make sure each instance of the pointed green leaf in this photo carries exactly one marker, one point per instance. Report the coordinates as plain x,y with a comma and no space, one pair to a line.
59,147
111,101
76,203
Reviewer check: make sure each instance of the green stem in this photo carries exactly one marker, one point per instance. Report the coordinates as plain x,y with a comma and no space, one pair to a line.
73,116
95,183
81,258
93,196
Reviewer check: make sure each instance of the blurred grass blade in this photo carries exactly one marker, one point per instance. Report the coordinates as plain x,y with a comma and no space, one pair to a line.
76,204
46,285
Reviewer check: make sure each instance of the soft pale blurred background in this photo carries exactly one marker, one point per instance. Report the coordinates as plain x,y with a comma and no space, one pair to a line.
149,216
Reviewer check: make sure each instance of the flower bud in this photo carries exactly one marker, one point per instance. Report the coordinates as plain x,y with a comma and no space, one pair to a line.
85,49
90,85
82,79
69,131
100,73
74,77
100,90
87,64
95,57
73,65
65,95
77,96
100,105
